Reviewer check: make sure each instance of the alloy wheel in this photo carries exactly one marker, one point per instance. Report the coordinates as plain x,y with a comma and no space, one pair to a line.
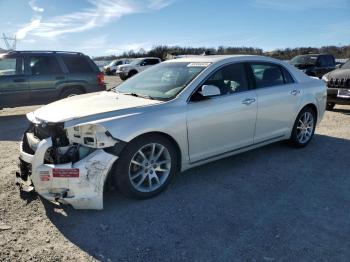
150,167
305,127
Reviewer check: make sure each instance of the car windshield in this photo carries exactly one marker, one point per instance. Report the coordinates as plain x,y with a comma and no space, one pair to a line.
136,62
112,63
304,59
346,65
163,81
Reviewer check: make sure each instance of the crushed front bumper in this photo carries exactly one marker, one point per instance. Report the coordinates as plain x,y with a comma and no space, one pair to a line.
80,184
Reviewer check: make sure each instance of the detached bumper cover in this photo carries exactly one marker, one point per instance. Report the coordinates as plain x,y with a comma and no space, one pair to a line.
80,184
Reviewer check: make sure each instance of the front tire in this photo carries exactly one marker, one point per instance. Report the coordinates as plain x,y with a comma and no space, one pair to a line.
304,128
146,167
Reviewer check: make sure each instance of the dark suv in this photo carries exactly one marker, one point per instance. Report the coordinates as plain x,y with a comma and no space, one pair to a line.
33,77
314,64
338,83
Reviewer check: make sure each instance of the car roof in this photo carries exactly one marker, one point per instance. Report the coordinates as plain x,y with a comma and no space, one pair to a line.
214,58
42,52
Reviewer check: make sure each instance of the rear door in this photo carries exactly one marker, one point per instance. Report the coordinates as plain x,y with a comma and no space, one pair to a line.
278,96
14,87
45,77
82,73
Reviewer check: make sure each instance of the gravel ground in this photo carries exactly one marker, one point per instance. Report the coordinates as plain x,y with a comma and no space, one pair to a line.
271,204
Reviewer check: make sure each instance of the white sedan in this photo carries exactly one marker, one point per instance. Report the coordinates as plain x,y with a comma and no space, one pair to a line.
174,116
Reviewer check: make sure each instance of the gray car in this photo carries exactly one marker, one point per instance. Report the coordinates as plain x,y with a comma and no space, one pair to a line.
33,77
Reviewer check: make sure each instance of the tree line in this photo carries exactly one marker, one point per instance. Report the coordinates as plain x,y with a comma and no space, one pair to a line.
167,52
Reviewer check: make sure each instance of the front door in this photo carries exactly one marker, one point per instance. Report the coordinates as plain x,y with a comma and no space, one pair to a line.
14,88
224,123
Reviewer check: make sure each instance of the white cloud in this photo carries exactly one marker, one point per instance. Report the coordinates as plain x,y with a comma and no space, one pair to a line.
35,23
32,4
159,4
298,5
100,13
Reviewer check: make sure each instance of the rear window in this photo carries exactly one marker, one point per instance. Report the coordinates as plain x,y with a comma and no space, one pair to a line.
77,64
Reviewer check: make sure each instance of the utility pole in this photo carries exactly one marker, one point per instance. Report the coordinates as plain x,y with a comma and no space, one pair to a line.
8,40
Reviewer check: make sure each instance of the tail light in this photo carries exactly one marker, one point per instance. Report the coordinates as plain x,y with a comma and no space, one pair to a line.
101,79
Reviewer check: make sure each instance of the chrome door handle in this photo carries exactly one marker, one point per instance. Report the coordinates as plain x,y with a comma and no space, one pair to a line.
295,92
248,101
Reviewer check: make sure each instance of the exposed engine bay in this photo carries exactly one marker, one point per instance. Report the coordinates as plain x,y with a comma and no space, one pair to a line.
68,165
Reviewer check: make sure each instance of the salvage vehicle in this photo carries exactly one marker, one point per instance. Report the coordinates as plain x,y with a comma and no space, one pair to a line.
174,116
136,66
35,77
338,83
315,65
112,67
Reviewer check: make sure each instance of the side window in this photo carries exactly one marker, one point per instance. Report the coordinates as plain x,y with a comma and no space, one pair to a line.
11,66
329,60
267,74
229,79
288,79
118,63
148,62
77,64
322,61
153,61
44,65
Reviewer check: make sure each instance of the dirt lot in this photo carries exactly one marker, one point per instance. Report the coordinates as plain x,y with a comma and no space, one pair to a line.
270,204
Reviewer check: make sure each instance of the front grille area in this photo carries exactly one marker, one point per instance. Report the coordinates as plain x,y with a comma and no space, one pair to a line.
339,83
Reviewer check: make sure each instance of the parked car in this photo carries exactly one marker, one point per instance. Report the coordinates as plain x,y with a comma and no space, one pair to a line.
136,66
315,65
338,83
32,77
174,116
111,68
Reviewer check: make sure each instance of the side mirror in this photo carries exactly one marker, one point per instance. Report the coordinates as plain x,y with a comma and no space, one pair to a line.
337,66
209,90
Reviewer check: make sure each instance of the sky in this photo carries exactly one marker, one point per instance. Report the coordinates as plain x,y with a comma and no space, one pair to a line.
106,27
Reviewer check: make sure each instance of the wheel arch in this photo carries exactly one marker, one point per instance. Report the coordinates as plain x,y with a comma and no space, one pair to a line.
63,89
167,136
132,71
313,107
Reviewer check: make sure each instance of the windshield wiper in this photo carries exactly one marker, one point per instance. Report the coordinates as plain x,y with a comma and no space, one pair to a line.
139,95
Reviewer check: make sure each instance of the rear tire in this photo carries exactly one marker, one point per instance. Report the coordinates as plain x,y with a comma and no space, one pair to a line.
304,128
330,106
145,167
71,92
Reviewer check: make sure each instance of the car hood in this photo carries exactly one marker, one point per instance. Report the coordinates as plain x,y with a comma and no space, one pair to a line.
339,74
88,107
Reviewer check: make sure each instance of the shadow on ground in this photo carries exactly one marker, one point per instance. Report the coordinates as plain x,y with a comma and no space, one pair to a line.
12,127
272,203
342,110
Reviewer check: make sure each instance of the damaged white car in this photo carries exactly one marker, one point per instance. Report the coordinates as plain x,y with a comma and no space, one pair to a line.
171,117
